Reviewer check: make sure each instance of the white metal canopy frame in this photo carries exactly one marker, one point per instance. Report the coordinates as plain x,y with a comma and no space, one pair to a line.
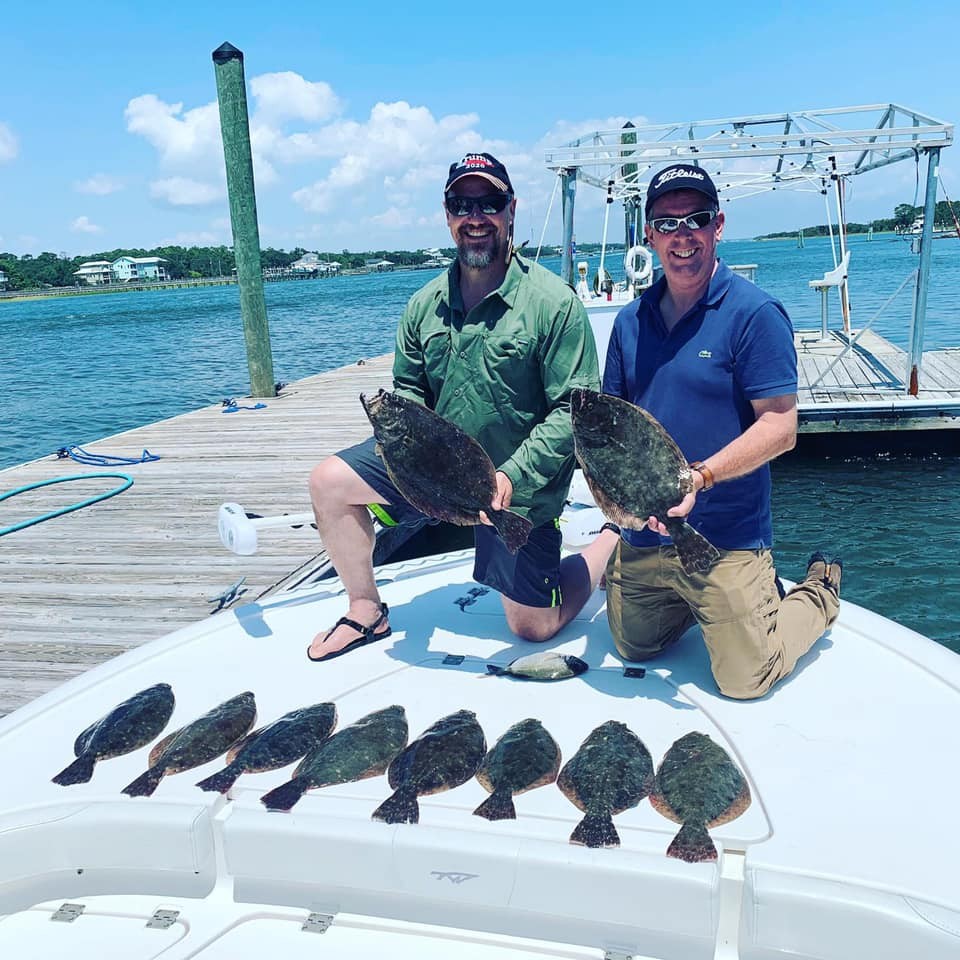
813,150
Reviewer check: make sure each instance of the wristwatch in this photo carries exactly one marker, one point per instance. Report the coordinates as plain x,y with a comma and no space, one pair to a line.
705,472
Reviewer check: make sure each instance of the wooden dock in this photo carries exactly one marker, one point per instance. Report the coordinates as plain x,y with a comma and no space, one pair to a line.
83,587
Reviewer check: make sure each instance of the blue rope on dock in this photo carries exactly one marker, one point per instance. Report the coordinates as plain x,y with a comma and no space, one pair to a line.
231,406
77,453
128,482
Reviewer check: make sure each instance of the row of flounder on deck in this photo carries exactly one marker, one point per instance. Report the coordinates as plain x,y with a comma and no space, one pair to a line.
633,467
696,785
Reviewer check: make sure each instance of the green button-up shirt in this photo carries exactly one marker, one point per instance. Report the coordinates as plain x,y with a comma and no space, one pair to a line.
503,372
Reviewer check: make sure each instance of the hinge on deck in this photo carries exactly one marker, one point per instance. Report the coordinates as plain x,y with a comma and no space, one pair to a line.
163,919
453,659
68,912
616,955
317,923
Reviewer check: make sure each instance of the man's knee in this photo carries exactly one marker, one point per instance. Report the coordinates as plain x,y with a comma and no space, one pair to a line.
330,481
535,624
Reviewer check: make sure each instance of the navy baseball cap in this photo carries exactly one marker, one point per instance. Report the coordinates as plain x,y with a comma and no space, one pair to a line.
479,165
680,176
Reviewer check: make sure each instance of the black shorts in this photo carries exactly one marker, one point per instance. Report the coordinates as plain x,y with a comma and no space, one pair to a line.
531,576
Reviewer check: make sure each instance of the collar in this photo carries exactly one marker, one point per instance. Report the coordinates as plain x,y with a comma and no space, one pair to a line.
449,291
716,289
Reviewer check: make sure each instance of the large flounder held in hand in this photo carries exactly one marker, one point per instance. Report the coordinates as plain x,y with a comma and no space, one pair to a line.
635,471
699,786
439,469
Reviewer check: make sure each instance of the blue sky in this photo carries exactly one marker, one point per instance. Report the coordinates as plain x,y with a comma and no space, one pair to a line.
109,135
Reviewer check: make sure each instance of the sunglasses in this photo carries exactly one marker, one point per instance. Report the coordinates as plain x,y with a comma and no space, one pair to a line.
692,221
488,205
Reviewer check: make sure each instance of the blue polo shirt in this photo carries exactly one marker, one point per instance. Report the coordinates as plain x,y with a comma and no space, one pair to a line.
734,346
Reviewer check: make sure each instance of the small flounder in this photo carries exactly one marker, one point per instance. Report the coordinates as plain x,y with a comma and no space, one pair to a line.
526,756
699,786
201,741
127,727
362,750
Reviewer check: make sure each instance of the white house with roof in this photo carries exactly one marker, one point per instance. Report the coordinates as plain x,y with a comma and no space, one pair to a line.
311,263
94,272
3,280
129,269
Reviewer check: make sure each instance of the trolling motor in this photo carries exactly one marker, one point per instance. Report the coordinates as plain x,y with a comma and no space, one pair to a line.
238,529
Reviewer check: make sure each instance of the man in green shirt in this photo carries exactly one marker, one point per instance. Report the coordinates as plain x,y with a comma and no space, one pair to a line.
495,344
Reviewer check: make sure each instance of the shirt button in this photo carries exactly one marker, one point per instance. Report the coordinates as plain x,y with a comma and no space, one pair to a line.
463,354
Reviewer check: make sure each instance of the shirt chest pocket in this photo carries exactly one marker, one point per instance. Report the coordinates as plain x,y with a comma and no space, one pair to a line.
436,356
508,359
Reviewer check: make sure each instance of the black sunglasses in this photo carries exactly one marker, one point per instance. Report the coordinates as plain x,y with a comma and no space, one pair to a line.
692,221
488,205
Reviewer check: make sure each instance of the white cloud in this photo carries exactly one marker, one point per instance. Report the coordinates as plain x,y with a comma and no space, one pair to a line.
9,146
287,95
183,192
83,225
394,218
193,137
100,184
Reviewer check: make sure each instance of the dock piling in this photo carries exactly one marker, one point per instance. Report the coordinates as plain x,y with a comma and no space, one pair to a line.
237,155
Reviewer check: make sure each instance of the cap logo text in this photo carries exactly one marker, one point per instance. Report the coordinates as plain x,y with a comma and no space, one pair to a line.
669,175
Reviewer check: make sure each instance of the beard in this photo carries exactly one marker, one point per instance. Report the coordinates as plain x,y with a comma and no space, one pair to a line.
479,258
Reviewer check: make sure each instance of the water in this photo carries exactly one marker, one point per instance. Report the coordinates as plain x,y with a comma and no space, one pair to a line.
81,368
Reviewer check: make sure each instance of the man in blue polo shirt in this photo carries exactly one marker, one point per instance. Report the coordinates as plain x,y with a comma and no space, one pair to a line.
711,356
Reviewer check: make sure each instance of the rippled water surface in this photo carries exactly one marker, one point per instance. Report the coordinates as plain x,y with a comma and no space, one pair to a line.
77,369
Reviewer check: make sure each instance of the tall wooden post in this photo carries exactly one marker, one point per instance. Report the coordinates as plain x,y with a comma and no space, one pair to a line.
235,130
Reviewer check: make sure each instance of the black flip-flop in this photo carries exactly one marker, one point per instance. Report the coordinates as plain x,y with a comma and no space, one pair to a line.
367,635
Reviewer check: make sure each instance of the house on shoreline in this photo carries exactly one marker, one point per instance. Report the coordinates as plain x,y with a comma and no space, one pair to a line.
97,273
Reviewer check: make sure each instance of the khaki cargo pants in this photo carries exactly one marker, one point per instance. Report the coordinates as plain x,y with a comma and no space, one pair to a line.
753,637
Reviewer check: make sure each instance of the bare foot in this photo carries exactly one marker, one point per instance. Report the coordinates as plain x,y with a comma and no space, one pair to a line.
365,622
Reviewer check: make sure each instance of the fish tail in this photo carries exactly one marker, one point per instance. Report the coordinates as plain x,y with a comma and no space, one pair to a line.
221,781
285,796
512,528
692,844
697,554
146,783
400,807
80,771
596,830
498,806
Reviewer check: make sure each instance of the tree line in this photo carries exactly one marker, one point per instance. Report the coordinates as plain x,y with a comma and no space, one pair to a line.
52,270
904,216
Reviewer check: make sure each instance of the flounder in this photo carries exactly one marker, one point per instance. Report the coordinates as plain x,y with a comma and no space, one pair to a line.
199,742
439,469
127,727
526,756
445,755
611,772
548,665
699,786
635,471
289,738
364,749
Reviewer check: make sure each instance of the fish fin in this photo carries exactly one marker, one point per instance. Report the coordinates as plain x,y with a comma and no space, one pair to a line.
494,671
221,781
512,528
80,771
146,783
659,803
697,554
692,844
498,806
399,807
157,749
284,796
596,830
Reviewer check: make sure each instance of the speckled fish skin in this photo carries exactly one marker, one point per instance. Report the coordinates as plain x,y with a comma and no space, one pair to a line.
439,469
363,749
698,785
611,772
201,741
548,665
289,738
445,755
635,471
127,727
525,757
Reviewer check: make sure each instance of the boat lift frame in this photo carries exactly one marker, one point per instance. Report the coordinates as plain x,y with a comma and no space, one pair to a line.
812,150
